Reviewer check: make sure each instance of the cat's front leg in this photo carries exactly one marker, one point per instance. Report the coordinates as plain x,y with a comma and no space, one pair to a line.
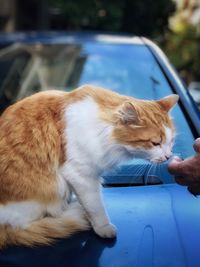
88,191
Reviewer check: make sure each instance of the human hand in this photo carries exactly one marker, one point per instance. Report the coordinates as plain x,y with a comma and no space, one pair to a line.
187,172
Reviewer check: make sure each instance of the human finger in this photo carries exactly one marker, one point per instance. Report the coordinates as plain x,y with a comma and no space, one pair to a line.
196,145
175,165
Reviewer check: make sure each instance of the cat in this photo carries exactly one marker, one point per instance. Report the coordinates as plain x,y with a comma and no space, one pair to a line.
54,143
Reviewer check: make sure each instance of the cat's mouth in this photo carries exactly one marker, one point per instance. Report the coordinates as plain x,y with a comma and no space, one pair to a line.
137,153
160,160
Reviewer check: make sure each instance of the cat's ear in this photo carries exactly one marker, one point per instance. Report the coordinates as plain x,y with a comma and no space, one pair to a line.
168,102
127,114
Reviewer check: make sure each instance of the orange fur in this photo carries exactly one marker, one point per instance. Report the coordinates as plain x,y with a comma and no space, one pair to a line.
31,148
41,232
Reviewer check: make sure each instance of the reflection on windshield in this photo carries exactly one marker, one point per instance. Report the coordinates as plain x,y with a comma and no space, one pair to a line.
26,69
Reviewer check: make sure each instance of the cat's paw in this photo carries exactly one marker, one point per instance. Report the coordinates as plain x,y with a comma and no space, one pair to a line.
106,231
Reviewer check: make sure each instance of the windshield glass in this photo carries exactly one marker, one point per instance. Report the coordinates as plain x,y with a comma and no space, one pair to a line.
125,68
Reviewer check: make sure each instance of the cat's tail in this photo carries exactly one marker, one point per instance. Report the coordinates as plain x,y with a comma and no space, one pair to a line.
44,231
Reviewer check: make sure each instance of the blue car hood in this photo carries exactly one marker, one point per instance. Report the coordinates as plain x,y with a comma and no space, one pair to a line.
157,226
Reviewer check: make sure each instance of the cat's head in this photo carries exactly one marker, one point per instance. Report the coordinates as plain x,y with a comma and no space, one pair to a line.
145,128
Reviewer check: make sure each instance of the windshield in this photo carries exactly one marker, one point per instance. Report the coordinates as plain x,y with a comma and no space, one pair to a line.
126,68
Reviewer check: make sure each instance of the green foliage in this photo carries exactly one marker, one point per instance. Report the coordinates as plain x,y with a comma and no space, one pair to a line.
184,52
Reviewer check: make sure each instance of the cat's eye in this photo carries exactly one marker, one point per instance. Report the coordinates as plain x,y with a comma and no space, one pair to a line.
155,144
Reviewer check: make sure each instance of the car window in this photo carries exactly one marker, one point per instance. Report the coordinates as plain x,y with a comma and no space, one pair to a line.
127,68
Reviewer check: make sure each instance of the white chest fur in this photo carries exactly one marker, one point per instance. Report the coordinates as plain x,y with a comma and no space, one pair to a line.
88,139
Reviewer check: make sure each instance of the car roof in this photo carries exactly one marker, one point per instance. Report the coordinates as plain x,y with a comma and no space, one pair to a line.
69,37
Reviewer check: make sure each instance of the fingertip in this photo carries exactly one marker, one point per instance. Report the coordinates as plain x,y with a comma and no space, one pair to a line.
176,158
174,165
196,145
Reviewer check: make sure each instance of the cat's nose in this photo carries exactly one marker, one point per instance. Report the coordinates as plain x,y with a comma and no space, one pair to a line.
168,155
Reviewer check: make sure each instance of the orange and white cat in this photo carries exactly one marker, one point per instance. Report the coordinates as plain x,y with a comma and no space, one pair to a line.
54,143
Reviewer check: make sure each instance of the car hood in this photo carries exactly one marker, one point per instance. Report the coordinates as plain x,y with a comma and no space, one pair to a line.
157,226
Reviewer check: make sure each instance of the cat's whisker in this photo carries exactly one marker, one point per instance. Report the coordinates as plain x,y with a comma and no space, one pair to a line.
138,171
157,170
160,174
150,166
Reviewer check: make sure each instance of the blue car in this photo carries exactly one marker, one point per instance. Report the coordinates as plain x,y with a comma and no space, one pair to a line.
158,221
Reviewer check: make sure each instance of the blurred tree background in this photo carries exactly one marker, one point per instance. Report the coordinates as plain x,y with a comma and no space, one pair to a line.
182,42
173,24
